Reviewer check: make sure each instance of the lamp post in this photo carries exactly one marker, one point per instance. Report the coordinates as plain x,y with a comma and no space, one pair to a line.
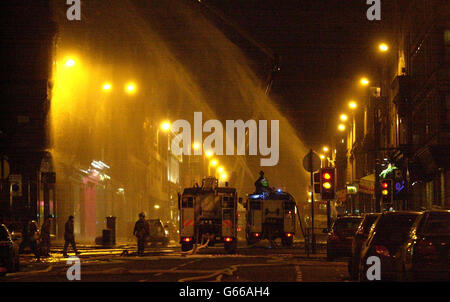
382,47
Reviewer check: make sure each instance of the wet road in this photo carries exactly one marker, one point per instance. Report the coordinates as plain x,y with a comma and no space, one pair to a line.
260,263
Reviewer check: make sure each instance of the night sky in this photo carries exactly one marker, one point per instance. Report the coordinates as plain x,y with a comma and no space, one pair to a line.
325,45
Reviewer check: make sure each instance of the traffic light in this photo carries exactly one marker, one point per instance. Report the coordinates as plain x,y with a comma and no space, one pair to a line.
386,190
327,183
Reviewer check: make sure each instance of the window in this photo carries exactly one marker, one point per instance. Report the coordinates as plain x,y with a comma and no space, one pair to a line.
188,202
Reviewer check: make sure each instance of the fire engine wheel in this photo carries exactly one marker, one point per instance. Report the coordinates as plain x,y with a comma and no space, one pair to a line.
250,240
230,248
186,247
287,241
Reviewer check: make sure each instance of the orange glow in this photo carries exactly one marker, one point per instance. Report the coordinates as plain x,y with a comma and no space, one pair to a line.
130,88
364,81
383,47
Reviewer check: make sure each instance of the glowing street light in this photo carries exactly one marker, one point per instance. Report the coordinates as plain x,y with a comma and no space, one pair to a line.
107,86
383,47
343,117
130,88
220,169
364,81
352,105
196,146
341,127
223,176
208,153
322,156
70,62
165,126
325,149
213,162
156,206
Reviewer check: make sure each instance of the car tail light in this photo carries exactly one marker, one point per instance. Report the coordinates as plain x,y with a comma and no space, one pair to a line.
288,234
187,239
228,239
425,248
256,234
382,250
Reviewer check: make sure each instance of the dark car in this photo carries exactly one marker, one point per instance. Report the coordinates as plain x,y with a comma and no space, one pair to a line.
339,241
425,255
158,234
361,235
9,252
386,236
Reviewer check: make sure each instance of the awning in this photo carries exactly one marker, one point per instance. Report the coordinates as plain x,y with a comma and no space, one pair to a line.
367,184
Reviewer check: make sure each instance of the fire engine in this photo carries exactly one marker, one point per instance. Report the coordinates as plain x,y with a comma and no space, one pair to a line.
270,215
208,212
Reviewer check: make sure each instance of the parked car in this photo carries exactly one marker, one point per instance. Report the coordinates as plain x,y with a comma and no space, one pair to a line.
361,235
158,234
425,255
339,241
9,252
386,236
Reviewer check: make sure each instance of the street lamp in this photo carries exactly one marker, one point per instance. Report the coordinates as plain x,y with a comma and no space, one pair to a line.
196,146
352,105
364,81
383,47
341,127
130,88
325,149
220,169
156,206
213,162
165,126
208,153
343,118
107,86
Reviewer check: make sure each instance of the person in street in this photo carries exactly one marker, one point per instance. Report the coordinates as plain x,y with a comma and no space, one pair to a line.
69,237
45,236
30,238
141,231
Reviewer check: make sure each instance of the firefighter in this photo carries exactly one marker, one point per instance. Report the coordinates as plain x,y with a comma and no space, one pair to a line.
69,237
45,236
30,238
261,184
141,231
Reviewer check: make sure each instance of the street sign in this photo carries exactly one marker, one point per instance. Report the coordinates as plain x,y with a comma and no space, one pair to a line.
15,181
313,158
352,189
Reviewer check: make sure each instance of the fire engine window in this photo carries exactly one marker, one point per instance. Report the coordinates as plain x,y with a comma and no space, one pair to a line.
188,202
227,202
289,206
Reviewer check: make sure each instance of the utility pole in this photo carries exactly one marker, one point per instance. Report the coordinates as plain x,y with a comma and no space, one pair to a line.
313,237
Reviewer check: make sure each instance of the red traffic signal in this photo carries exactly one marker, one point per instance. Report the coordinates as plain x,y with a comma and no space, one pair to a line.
327,183
386,190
